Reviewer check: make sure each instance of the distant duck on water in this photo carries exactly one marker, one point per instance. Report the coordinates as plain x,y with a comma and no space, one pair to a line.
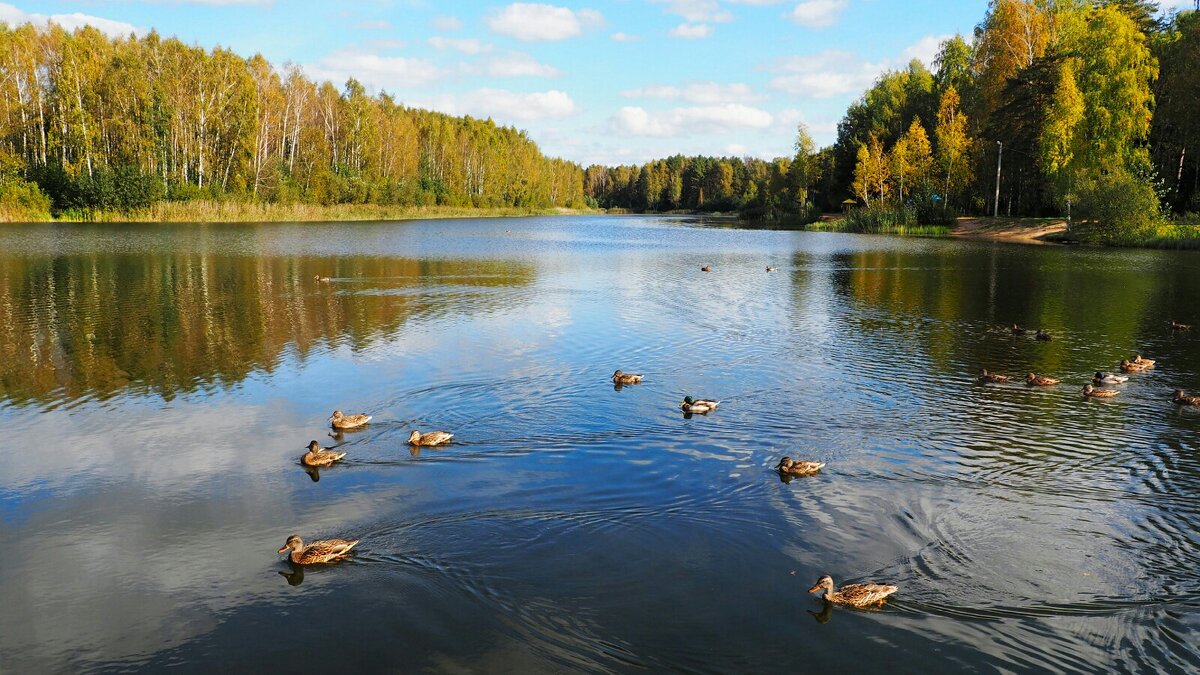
795,467
626,378
1128,366
1092,392
321,278
322,551
1043,336
706,268
1181,398
993,378
855,595
429,439
1175,325
1035,380
340,421
1017,330
699,406
318,456
1108,378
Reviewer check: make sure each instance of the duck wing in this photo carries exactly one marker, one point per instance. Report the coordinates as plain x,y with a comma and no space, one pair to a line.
865,594
326,550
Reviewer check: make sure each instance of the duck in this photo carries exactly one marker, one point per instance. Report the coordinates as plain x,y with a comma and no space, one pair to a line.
1092,392
1181,398
1043,336
1034,380
1017,330
429,439
321,278
1144,362
322,551
340,421
698,405
770,269
1128,366
1175,325
626,378
318,456
993,378
796,467
1107,378
706,268
855,595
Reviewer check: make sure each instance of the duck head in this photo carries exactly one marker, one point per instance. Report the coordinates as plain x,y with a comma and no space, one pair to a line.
337,415
825,583
414,437
617,374
294,543
688,400
784,463
314,446
1178,393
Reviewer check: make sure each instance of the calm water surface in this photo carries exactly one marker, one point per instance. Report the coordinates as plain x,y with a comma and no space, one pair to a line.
158,384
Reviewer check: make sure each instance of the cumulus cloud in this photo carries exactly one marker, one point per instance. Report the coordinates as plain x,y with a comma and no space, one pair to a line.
447,23
705,93
519,64
825,75
506,106
469,46
818,13
689,31
926,49
390,72
623,37
13,16
374,25
715,119
542,23
696,11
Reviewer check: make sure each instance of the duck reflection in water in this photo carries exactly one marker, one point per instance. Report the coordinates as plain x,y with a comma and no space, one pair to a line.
822,616
294,574
314,473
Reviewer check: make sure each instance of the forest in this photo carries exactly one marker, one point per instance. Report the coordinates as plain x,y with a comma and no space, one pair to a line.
1089,109
92,125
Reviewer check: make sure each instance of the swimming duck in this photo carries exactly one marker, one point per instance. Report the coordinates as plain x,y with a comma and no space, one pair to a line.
1147,363
1128,366
855,595
625,378
797,467
323,551
429,439
321,278
318,456
993,378
1040,380
1043,336
770,269
1092,392
1175,325
1106,378
340,421
701,406
1181,398
1017,330
706,268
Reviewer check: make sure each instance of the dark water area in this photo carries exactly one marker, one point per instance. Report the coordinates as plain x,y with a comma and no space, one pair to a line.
158,384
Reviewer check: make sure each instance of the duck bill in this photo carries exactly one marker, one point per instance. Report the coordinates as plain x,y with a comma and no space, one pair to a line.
285,549
816,588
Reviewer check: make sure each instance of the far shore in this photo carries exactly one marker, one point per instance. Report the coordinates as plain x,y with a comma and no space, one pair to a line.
239,212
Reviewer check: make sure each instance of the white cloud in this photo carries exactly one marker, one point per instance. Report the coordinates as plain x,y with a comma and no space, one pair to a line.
716,119
469,46
705,93
374,25
447,23
624,37
13,16
689,31
506,106
390,72
825,75
818,13
926,49
519,64
536,22
697,11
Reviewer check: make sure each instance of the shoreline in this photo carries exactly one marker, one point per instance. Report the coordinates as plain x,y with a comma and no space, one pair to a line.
235,212
1037,231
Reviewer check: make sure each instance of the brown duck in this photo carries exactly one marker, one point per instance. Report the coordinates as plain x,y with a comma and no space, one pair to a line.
1128,366
1035,380
1181,398
318,456
993,378
626,378
1095,392
855,595
795,467
1017,330
429,439
323,551
340,421
1043,336
1175,325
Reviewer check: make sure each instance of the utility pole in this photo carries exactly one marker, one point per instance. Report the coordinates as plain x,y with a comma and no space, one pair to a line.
999,158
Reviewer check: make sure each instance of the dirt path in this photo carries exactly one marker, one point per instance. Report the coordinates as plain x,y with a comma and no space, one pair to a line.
1019,230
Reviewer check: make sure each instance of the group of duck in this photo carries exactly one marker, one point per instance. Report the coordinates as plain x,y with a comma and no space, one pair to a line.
1095,388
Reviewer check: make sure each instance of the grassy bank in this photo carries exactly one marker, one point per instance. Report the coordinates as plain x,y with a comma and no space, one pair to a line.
1166,235
198,211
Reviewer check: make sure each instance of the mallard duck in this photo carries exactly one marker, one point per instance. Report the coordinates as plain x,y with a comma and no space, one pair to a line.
318,456
1181,398
1175,325
321,278
855,595
1145,363
430,439
323,551
770,269
1092,392
993,378
1128,366
1017,330
340,421
625,378
1107,378
1034,380
797,467
706,268
698,405
1043,336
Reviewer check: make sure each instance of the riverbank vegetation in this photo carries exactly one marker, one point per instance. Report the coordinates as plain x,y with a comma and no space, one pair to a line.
93,126
1088,109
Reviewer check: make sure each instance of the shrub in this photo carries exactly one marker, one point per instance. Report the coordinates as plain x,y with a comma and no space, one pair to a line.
22,201
1115,208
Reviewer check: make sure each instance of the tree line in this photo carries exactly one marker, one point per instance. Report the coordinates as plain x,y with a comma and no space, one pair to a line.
93,122
1084,105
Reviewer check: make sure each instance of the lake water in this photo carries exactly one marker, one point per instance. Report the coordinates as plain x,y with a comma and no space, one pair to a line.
158,384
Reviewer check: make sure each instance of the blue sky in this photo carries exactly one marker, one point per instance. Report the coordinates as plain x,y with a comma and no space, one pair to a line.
610,82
